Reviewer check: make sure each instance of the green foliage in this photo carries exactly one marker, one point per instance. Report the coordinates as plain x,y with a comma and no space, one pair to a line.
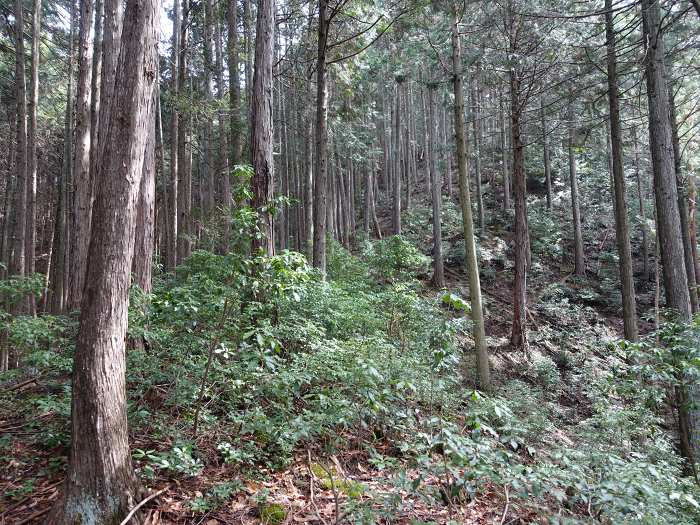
395,258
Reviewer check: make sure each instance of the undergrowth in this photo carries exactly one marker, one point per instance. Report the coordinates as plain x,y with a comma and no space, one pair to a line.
369,360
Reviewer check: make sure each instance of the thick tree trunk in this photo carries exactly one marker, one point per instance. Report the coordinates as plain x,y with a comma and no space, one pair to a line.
683,208
478,332
100,483
261,132
668,220
82,199
624,251
145,210
661,145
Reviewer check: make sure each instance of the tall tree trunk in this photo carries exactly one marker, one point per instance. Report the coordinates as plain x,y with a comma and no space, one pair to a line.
321,172
683,208
61,223
518,336
624,251
668,221
504,157
184,154
141,268
100,484
396,196
436,192
476,126
545,153
261,132
661,145
32,166
82,199
579,261
171,252
646,266
234,82
222,159
478,332
18,259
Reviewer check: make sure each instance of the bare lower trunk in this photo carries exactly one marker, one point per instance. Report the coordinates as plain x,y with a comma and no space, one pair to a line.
100,483
261,133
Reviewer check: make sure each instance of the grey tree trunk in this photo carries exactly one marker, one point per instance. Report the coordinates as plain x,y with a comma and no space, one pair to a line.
476,126
518,336
396,194
262,133
18,259
683,208
436,192
478,332
100,484
321,166
629,303
545,153
32,167
668,220
579,261
184,153
234,82
171,259
82,187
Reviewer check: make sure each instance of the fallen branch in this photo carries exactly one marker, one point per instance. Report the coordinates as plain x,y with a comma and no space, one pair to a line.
142,503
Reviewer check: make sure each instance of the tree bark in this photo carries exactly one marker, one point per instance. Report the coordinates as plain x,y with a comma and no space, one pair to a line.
545,153
321,166
478,332
624,251
18,259
184,153
100,484
518,336
476,126
668,220
436,193
683,208
261,132
82,198
579,261
32,166
171,254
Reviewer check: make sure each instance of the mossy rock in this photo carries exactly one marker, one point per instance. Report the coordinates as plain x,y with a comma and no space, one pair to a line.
272,513
352,489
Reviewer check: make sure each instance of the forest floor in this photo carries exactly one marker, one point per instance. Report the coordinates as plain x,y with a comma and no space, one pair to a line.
573,325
